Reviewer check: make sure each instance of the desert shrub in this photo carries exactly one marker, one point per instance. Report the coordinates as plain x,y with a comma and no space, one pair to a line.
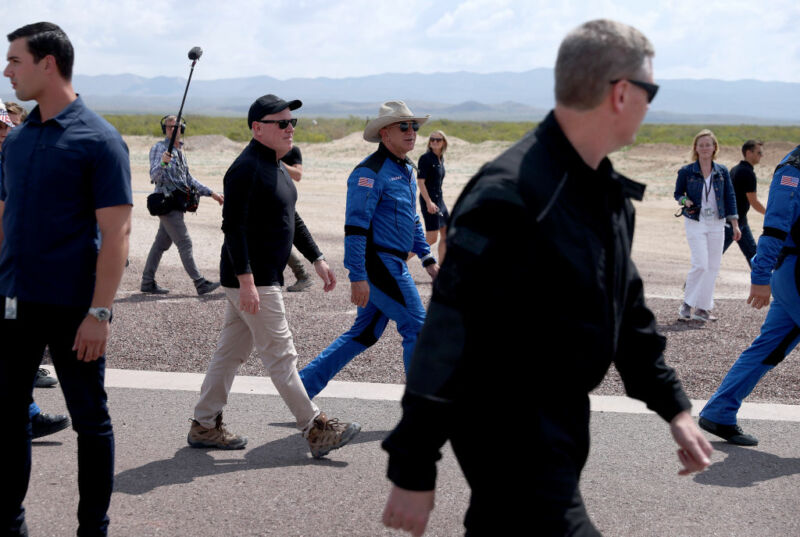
315,130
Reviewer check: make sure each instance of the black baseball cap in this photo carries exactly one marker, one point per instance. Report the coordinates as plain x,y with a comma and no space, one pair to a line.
269,104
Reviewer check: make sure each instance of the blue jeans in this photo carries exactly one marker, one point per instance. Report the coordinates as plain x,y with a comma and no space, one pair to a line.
780,334
747,243
397,300
24,340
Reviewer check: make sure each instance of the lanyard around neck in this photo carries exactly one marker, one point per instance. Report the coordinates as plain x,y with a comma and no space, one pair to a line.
707,188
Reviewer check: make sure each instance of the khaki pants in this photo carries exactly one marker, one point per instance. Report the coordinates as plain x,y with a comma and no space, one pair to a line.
269,332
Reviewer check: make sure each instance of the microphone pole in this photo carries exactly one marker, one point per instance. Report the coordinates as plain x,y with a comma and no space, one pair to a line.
194,55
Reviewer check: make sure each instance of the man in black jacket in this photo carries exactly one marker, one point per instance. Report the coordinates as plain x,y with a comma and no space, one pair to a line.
510,389
260,225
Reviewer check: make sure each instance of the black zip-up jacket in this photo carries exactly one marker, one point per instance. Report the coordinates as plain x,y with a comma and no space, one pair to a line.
536,297
259,219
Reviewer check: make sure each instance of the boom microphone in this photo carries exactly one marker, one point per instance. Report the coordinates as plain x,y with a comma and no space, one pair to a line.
194,55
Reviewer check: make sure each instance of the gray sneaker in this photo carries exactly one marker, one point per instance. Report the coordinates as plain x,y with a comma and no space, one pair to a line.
326,435
302,283
206,286
153,288
43,379
215,437
702,315
684,312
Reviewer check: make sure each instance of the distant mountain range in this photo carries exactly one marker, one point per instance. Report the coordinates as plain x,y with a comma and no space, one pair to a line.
460,96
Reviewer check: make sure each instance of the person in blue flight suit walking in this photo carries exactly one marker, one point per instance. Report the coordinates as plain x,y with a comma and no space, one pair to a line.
381,227
775,265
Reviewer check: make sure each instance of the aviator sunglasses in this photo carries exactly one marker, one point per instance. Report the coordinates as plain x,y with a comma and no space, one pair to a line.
404,125
282,123
651,89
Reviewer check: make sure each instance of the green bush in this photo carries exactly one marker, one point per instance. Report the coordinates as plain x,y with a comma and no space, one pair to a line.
317,130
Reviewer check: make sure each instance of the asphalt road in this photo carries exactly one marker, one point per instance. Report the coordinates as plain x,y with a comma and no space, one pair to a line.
274,487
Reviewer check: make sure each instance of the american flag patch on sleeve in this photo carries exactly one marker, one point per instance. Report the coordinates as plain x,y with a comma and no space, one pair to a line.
788,180
369,182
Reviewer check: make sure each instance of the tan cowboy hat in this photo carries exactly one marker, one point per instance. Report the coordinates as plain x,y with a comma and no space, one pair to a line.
390,112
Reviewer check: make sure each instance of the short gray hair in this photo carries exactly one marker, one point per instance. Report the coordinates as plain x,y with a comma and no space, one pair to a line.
594,54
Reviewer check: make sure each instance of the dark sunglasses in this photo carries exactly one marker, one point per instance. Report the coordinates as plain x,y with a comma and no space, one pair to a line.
437,139
651,89
404,125
282,123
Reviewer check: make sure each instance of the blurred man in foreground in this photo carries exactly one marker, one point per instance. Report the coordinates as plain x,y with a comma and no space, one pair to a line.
510,390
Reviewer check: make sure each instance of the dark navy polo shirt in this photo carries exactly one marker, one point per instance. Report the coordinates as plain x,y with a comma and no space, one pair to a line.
55,175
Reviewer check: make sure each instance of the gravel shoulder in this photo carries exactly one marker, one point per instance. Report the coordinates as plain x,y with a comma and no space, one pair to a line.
178,332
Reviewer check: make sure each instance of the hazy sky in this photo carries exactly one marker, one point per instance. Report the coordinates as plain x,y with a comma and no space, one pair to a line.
728,39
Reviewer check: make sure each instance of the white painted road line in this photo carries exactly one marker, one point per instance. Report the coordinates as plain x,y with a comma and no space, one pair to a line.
157,380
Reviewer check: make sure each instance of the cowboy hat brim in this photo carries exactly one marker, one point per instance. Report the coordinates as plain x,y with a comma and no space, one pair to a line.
372,130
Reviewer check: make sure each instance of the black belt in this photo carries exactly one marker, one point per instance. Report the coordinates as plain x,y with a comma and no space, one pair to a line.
785,252
397,253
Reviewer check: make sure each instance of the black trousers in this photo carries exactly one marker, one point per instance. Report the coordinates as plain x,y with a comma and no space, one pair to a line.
23,342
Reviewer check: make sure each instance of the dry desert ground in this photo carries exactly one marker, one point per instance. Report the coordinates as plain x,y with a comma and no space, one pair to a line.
178,332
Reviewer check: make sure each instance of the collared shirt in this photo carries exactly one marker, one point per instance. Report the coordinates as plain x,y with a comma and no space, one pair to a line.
176,175
431,170
56,174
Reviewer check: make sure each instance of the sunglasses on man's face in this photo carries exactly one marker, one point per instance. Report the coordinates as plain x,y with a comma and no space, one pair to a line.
282,123
651,89
404,125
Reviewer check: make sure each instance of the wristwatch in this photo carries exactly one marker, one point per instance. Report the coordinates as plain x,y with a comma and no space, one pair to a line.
101,314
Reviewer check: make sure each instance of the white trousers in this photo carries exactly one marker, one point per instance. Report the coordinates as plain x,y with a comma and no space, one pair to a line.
705,238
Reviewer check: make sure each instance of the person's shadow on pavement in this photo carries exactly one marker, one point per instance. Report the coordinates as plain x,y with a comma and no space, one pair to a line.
745,467
189,463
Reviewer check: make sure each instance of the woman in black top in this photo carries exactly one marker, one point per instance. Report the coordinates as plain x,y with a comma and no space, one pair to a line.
429,179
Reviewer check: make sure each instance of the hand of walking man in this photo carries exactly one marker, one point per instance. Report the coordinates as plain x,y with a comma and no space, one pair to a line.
759,296
327,275
694,450
408,510
91,338
359,293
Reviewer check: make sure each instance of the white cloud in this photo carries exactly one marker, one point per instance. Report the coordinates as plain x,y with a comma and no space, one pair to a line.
282,38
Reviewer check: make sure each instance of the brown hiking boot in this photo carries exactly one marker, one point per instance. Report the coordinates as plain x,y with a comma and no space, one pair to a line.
329,434
216,437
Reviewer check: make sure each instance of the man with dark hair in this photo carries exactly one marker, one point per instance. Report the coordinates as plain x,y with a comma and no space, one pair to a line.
574,215
47,39
170,173
745,186
66,184
260,225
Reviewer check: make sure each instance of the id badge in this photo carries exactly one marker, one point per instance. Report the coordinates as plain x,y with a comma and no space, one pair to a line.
11,308
708,212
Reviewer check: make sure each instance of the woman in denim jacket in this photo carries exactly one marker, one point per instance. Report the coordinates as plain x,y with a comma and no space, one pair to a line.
705,191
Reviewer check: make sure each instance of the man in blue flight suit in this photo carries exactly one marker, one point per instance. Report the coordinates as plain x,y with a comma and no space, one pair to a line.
777,251
381,227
